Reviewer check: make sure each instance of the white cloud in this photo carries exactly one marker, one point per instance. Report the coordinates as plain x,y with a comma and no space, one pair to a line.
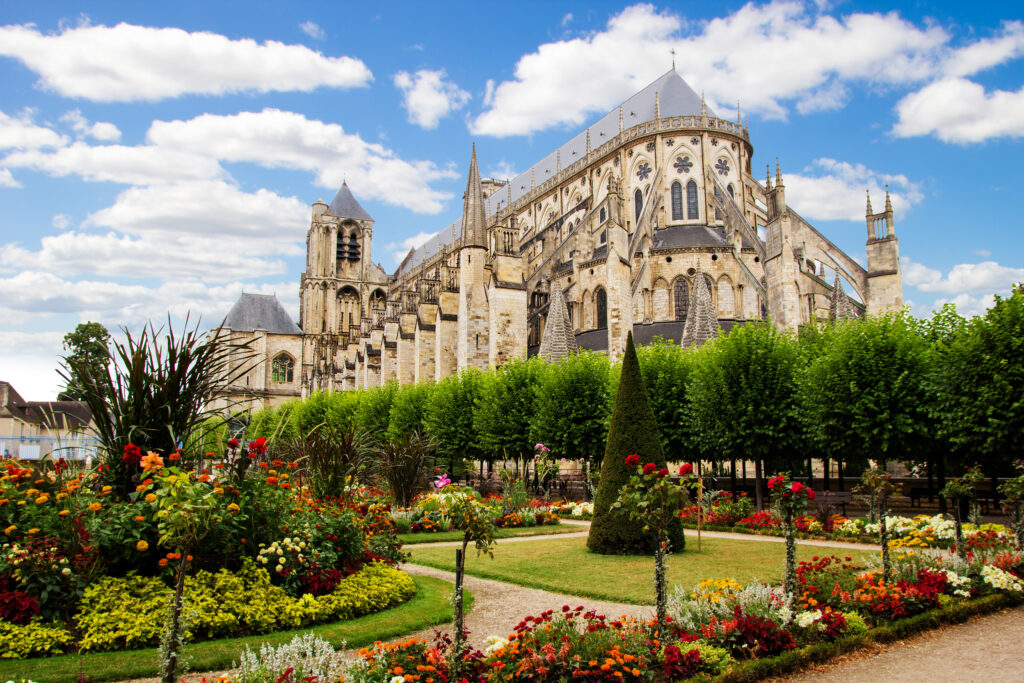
282,139
126,63
967,305
60,220
398,250
987,52
313,30
101,130
983,252
19,132
987,277
958,110
834,190
566,19
7,179
428,97
139,165
502,169
29,361
810,56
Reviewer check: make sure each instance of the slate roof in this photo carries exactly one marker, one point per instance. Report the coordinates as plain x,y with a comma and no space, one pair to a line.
260,312
50,414
676,236
345,205
675,98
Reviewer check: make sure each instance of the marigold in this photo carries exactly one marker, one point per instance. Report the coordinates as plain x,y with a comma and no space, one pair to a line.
142,546
272,480
233,508
11,529
162,562
140,518
204,478
41,499
150,497
95,506
218,490
174,456
64,513
32,532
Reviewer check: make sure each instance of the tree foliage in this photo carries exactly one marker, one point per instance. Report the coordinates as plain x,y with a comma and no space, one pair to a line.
448,418
408,409
666,370
505,409
374,412
573,407
87,346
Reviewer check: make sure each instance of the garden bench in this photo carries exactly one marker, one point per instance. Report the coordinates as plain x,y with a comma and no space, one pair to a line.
837,499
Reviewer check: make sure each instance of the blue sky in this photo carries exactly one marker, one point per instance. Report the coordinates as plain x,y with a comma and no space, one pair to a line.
161,157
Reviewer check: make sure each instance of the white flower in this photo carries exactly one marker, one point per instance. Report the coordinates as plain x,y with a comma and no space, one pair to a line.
397,679
493,644
807,619
997,578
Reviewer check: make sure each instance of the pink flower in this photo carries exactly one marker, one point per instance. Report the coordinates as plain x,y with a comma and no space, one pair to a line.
685,470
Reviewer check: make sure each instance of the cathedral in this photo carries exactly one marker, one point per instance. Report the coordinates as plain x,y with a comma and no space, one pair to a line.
650,220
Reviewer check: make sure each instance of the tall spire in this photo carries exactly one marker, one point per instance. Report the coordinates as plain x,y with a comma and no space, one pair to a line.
701,323
888,202
778,173
840,308
474,217
558,340
767,176
869,209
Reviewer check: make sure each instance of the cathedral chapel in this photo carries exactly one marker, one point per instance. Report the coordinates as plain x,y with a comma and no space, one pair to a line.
650,220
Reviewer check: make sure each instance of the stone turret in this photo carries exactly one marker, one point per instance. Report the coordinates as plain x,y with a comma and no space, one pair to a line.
701,324
558,340
884,280
472,337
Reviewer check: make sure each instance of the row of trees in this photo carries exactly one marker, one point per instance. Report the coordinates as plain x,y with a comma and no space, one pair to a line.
943,393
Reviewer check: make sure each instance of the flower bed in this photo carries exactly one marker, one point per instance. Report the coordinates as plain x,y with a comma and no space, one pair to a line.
431,512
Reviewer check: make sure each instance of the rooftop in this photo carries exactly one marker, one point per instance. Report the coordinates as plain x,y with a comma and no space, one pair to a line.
260,312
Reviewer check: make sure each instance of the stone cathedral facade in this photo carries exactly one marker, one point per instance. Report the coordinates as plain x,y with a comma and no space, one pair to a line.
626,220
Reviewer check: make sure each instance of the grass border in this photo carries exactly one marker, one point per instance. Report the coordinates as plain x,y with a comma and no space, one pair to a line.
794,660
429,607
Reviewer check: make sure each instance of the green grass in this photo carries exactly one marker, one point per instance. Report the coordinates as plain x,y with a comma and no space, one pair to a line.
439,536
430,606
564,565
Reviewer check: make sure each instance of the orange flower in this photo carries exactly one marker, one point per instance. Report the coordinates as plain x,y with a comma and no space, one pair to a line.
141,487
152,461
64,513
150,497
272,480
162,562
174,456
293,465
286,486
142,546
95,506
204,478
140,518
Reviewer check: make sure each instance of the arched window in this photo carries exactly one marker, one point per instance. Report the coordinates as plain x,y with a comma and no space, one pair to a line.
638,204
603,214
677,201
732,192
681,291
282,369
604,237
602,308
692,211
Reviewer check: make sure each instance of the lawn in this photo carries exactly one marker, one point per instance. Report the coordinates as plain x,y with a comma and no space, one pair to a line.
431,605
439,536
564,565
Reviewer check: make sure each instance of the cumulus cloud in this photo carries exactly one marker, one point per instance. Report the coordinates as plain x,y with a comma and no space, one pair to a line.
280,139
132,165
101,130
834,190
398,250
313,30
811,57
987,277
961,111
20,132
502,169
125,63
7,178
428,97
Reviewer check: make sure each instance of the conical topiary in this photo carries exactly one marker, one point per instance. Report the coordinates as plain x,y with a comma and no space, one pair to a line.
633,429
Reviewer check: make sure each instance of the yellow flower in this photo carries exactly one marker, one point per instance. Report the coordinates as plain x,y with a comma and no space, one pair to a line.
31,493
108,489
21,502
142,546
150,497
94,506
61,496
41,499
233,508
32,532
11,529
64,513
218,490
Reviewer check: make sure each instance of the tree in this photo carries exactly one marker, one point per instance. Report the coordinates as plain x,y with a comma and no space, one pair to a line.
743,392
374,412
979,383
573,407
863,396
505,408
666,369
87,347
448,418
408,409
632,431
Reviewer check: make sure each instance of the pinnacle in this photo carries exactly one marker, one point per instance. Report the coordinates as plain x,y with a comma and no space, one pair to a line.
701,322
558,340
474,221
840,309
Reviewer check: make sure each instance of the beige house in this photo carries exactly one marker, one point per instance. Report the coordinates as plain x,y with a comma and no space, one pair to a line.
31,430
631,219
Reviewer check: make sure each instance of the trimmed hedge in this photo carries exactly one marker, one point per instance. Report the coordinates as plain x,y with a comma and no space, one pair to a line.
818,653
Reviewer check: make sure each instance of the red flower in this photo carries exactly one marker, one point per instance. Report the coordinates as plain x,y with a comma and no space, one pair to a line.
233,443
271,480
650,468
258,446
685,470
810,494
775,481
797,487
132,454
632,460
662,473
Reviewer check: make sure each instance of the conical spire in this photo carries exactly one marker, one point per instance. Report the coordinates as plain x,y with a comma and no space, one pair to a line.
840,309
778,173
888,202
558,340
869,209
701,323
767,176
344,205
474,218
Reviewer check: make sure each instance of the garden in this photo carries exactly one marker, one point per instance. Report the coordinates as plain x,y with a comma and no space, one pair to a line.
268,544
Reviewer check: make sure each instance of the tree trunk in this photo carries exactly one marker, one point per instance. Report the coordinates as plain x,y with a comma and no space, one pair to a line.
459,635
957,519
732,479
790,554
884,537
826,481
173,639
758,475
941,475
839,472
659,580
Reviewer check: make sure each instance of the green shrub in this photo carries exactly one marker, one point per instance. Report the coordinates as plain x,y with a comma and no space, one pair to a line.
855,624
34,639
713,660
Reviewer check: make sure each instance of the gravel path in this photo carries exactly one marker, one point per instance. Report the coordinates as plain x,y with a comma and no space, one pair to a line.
985,648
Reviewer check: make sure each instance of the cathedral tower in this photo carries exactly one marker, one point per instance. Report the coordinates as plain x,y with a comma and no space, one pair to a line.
472,330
